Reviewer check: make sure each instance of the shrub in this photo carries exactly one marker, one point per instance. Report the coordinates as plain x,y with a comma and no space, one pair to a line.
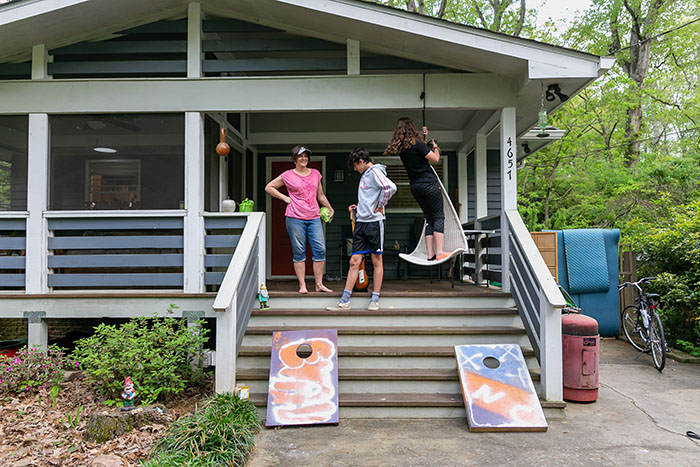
220,432
670,249
155,352
32,369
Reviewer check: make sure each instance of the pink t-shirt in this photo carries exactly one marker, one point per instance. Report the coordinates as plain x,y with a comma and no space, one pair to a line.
302,192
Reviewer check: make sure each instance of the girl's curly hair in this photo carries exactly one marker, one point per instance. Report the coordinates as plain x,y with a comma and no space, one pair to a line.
404,137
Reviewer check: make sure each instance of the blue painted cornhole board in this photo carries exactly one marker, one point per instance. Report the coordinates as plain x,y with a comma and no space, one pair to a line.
303,391
502,398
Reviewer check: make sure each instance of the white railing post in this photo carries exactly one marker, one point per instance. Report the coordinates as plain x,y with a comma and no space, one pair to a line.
552,377
262,251
225,371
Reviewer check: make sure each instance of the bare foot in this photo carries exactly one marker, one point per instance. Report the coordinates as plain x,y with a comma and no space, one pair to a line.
303,290
323,288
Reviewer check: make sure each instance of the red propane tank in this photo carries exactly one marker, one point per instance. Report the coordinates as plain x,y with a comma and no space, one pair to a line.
580,344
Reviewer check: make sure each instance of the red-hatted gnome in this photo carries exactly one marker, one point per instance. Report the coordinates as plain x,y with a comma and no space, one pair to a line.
128,394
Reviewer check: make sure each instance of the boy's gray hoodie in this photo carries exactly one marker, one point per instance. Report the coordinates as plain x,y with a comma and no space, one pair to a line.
374,192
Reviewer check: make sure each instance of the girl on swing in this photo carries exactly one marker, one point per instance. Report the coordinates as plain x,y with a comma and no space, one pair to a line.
416,157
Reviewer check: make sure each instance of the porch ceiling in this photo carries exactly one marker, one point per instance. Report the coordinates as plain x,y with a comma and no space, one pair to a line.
278,131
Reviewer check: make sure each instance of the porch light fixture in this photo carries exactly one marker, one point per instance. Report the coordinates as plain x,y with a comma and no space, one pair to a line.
555,90
338,175
103,149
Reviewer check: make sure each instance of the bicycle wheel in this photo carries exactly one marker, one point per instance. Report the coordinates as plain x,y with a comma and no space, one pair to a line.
633,328
657,341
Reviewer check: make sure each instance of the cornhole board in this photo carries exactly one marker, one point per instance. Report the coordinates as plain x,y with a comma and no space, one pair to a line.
497,389
303,385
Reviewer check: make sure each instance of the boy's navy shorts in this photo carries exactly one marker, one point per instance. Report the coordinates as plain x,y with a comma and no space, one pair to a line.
368,237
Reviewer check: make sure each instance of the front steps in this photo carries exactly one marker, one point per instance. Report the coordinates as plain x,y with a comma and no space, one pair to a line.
395,363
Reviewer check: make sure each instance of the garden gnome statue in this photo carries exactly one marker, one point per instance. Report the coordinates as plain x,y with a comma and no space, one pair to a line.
263,296
128,394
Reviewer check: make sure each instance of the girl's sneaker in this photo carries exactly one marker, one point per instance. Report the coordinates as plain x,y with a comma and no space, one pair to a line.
373,306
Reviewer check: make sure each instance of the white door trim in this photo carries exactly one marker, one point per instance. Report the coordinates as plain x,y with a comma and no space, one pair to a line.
268,206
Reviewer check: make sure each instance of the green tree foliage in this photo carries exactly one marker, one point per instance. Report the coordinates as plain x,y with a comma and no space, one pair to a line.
670,248
507,16
587,179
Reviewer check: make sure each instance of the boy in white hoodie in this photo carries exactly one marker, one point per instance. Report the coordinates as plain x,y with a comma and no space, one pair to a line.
373,194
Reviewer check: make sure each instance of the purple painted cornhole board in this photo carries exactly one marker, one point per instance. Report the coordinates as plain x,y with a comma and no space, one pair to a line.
502,398
303,391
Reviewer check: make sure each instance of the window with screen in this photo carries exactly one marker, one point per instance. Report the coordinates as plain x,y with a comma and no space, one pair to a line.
403,200
113,184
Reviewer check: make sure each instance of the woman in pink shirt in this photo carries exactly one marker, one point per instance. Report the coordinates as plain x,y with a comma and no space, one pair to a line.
302,215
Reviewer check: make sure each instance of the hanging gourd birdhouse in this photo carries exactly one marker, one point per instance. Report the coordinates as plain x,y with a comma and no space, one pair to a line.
222,148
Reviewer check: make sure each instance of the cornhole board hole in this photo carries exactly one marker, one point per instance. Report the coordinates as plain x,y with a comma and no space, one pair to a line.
497,389
303,385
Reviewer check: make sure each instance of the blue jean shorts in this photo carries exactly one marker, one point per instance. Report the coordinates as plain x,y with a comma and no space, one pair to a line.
299,232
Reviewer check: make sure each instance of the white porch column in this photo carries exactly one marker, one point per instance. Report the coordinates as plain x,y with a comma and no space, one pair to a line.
353,57
194,40
37,200
481,205
194,203
480,176
509,179
462,186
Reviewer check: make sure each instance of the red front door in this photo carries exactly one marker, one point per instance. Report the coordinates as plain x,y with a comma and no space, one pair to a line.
281,247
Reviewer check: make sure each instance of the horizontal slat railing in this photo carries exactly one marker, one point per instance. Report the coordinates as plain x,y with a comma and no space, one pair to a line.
115,250
539,303
222,237
13,245
484,238
234,301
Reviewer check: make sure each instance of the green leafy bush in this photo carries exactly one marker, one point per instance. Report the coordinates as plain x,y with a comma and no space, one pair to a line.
220,432
670,250
32,369
155,352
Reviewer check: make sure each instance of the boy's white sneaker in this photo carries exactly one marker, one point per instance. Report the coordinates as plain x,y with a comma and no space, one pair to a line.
338,306
373,306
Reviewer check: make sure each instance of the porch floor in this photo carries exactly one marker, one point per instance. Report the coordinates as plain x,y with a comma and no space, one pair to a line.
390,288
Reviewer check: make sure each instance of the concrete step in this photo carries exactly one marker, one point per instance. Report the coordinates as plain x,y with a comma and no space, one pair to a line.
410,357
360,301
401,335
387,317
403,405
376,380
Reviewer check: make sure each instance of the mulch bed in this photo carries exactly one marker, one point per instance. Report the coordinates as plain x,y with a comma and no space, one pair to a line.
33,433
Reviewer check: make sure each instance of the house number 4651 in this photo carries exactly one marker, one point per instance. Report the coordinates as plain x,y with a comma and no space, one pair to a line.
510,162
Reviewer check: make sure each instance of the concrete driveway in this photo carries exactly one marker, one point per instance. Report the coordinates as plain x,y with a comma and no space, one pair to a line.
640,418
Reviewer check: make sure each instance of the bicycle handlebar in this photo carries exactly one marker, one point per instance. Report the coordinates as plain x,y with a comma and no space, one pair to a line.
643,280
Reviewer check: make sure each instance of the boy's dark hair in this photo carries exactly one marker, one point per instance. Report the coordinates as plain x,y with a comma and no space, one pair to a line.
357,155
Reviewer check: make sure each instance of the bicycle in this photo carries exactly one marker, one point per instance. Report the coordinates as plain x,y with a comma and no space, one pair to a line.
642,325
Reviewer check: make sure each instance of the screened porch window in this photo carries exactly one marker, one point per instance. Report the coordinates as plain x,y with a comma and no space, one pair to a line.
110,162
114,184
14,144
403,200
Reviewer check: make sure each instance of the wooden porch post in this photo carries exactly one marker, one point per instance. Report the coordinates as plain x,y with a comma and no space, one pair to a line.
509,179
